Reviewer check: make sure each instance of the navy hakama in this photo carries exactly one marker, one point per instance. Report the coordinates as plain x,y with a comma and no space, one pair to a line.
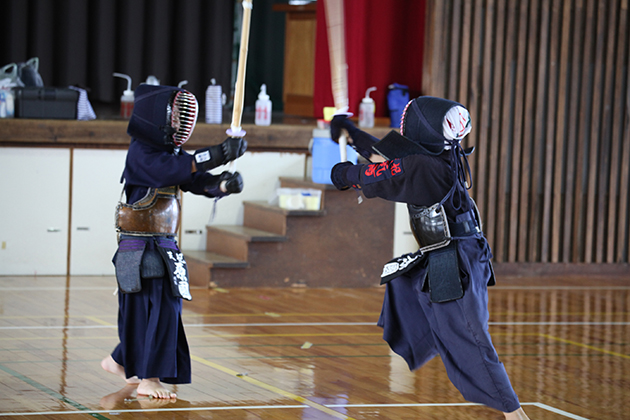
418,330
149,346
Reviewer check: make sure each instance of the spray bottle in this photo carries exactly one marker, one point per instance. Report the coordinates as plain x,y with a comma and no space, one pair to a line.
214,103
263,107
126,100
366,110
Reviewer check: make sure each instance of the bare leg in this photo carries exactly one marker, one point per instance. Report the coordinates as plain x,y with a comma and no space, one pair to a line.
516,415
109,365
154,388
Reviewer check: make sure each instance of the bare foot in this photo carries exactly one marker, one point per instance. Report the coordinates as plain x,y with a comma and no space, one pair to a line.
109,365
154,388
516,415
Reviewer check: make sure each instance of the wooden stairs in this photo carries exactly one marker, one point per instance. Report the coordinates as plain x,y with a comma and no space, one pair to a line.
341,245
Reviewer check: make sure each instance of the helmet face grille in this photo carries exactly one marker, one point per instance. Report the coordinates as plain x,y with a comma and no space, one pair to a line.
184,113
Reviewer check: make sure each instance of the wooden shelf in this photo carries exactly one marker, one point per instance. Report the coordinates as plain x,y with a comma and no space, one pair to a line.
112,134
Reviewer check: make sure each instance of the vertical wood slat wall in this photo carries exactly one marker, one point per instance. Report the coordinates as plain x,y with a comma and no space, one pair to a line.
548,88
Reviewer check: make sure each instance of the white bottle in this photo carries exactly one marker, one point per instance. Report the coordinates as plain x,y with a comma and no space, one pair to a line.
152,80
127,98
366,110
263,107
6,103
214,103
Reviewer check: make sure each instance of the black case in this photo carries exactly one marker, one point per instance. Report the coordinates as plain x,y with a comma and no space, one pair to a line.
46,102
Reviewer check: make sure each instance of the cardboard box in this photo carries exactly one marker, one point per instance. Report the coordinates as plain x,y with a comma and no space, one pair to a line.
299,198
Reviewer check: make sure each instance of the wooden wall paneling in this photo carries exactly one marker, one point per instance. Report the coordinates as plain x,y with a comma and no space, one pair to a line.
516,155
596,113
482,119
526,184
454,36
564,81
623,241
495,124
604,174
549,145
572,136
539,134
506,136
465,53
435,52
474,96
613,217
582,137
543,80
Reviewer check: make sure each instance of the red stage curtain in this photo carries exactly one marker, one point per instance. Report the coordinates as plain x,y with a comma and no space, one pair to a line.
384,45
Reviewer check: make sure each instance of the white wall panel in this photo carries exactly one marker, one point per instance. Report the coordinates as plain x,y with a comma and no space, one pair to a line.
34,211
96,190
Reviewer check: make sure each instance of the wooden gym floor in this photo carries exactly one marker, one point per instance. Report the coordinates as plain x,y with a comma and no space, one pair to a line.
299,353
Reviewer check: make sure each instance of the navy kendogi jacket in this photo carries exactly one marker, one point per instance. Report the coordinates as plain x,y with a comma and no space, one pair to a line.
150,166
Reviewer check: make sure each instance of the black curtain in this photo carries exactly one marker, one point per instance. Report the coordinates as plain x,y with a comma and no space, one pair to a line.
82,42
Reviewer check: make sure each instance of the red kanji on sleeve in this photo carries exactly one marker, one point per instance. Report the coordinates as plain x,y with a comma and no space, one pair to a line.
395,168
381,171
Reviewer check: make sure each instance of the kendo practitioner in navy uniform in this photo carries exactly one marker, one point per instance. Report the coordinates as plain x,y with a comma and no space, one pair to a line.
436,299
150,269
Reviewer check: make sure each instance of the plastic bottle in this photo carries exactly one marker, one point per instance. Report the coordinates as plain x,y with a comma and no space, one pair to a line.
7,108
152,80
126,100
214,103
263,107
366,110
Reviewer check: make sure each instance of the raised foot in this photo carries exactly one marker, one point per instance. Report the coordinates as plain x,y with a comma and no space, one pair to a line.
109,365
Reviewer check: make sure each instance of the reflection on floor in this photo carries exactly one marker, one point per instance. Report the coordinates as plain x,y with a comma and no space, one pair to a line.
300,353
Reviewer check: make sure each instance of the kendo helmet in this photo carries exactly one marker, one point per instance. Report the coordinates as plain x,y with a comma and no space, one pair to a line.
163,115
434,123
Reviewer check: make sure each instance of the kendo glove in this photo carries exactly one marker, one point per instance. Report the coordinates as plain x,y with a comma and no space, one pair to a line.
233,148
362,142
211,157
338,175
341,122
233,182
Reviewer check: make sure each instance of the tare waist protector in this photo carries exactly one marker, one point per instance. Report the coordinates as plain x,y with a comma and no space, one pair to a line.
157,213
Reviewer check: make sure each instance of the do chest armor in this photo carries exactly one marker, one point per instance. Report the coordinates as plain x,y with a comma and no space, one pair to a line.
157,213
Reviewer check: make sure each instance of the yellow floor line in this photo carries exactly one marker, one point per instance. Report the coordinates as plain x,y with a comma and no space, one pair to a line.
272,388
575,343
98,320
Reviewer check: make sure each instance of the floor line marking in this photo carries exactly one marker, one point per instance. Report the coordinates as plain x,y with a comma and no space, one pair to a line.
82,409
268,407
497,287
105,324
575,343
557,411
272,388
289,315
100,321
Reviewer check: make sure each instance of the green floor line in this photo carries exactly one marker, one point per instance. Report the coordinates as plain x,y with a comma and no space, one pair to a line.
50,392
